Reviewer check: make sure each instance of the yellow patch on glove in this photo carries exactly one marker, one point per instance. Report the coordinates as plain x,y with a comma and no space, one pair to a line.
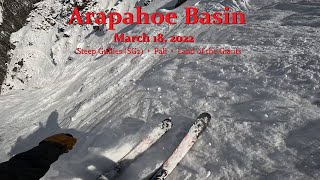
66,140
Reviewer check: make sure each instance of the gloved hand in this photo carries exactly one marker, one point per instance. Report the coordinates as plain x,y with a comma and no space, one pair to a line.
67,141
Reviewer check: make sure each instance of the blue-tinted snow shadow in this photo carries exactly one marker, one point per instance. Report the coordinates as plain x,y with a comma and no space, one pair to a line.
76,163
316,99
24,144
101,32
127,28
171,6
307,13
306,140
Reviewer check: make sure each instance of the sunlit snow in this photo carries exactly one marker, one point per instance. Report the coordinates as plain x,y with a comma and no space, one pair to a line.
264,103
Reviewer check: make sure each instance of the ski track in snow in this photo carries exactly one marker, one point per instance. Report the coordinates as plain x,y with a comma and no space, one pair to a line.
264,103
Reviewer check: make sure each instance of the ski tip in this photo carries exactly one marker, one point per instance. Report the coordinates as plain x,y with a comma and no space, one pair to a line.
205,115
166,124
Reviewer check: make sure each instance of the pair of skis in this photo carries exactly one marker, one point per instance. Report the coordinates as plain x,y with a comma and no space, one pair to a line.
168,166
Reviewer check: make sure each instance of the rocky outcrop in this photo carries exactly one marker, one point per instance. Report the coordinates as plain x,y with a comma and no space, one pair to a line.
15,13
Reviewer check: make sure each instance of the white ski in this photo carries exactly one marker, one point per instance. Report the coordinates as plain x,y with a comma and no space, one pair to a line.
188,141
147,142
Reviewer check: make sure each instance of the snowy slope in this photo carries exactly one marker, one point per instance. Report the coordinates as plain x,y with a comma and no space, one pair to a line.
264,103
1,12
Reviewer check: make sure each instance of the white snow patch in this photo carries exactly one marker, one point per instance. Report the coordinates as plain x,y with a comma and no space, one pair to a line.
92,168
116,154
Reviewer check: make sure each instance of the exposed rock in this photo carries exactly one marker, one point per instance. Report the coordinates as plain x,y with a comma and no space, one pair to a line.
15,14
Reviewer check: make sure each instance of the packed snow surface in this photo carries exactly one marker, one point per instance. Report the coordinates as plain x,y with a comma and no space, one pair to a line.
264,103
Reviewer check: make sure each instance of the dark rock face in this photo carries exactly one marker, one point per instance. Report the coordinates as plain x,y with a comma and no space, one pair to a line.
15,13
